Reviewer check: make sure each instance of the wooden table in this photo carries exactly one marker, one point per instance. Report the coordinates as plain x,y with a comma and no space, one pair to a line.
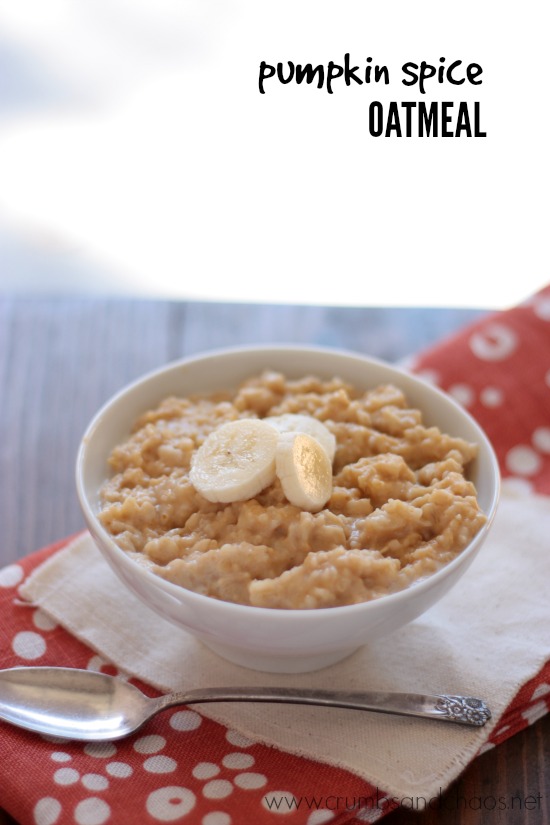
61,358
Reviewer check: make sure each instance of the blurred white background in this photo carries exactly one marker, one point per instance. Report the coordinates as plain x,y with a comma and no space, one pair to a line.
138,157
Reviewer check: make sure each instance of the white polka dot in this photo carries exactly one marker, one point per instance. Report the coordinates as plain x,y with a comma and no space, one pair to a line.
463,394
11,575
238,761
216,818
185,720
149,744
29,645
119,769
100,665
320,817
523,460
205,770
46,811
95,782
279,802
96,663
250,781
217,789
541,308
541,690
100,750
92,811
160,764
66,776
168,804
238,739
541,439
495,343
491,397
60,756
42,621
536,712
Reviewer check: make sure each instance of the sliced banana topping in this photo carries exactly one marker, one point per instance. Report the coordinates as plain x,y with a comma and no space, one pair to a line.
304,470
294,422
236,461
239,459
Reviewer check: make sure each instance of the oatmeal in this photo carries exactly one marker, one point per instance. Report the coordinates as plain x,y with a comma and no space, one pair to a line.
399,508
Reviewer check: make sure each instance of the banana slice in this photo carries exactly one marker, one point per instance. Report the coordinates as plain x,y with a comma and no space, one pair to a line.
236,461
304,470
294,422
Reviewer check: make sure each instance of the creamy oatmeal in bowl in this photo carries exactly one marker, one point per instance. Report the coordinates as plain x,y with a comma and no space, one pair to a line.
398,505
286,504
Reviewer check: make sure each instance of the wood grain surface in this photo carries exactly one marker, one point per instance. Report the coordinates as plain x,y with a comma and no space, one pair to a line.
61,358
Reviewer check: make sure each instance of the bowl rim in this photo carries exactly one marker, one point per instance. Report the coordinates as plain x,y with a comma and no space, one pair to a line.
177,591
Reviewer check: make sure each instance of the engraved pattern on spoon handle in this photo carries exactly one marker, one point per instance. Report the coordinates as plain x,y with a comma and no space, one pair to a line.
465,710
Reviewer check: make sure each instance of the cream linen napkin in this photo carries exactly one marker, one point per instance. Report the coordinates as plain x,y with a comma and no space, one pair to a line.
486,638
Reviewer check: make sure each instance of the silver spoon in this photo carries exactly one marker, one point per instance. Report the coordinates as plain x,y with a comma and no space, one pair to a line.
93,707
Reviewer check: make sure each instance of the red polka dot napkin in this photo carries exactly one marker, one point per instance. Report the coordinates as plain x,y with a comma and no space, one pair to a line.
184,767
499,369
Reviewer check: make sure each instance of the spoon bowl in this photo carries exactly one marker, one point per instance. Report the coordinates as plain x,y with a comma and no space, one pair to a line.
94,707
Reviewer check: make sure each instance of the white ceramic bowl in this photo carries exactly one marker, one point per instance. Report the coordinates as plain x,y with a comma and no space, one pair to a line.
266,638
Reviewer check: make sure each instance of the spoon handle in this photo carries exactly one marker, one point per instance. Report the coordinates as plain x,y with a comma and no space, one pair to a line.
464,710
